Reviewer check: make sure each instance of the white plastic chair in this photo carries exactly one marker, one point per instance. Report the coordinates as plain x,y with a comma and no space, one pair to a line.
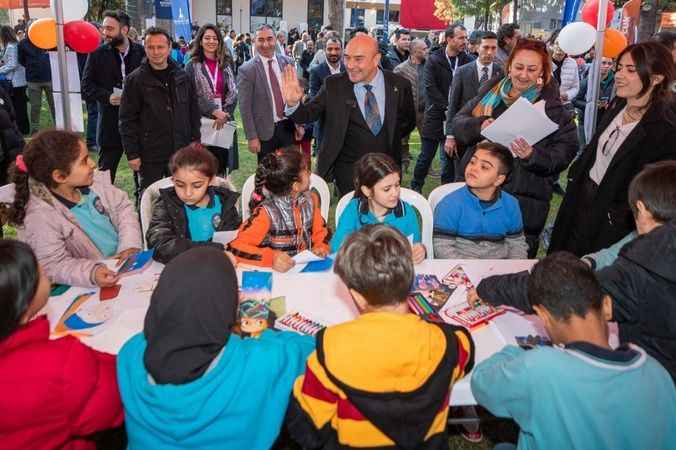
414,199
7,193
442,191
316,182
152,192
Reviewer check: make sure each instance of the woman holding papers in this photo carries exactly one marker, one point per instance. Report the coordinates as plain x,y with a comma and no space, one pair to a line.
638,128
529,76
211,68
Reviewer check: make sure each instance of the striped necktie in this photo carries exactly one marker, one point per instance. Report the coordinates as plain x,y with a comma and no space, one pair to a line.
371,111
484,75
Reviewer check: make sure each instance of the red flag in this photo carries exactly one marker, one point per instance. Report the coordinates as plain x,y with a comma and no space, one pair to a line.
419,14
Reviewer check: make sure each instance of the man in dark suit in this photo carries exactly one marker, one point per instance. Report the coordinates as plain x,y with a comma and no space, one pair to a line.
260,100
437,77
332,66
369,110
465,86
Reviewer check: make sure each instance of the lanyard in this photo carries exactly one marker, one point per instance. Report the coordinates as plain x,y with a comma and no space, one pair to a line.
213,76
456,61
123,67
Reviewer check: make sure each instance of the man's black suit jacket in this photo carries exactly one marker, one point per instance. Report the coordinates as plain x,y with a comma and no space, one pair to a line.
334,103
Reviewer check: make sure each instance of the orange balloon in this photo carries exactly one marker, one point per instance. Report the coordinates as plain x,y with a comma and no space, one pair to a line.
42,33
613,43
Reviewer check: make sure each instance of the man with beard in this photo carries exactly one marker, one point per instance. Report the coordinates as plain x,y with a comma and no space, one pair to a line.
333,65
102,82
437,78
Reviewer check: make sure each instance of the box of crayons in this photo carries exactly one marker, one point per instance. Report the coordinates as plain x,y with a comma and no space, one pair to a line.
295,321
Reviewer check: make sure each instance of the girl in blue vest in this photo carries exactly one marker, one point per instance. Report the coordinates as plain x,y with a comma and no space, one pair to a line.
377,200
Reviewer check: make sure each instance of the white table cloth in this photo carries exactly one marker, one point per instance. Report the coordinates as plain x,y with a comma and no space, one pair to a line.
320,296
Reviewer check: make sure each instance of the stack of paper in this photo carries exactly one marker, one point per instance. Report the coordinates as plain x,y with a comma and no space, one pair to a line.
522,119
219,138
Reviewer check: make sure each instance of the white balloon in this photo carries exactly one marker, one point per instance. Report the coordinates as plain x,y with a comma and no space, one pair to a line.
577,38
72,9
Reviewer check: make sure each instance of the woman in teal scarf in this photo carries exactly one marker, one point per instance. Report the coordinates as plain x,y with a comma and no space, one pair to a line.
529,75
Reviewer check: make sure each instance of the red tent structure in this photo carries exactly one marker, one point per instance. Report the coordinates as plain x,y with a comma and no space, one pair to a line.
18,4
419,15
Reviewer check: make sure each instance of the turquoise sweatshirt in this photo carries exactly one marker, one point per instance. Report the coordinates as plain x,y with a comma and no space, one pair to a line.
580,397
403,218
239,403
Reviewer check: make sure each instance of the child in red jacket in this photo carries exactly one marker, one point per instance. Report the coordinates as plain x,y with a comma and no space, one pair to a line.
53,394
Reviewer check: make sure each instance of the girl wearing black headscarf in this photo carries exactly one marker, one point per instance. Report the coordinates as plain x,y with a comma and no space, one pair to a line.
188,382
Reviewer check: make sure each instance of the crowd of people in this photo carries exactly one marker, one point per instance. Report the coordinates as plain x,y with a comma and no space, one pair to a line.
188,380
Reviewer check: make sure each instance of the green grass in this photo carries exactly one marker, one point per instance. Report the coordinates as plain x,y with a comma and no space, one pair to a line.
495,430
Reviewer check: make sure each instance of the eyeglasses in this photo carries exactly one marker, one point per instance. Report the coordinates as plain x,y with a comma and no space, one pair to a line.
614,135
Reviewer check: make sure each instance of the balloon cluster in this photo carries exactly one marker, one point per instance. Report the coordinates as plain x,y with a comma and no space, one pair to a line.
81,36
578,37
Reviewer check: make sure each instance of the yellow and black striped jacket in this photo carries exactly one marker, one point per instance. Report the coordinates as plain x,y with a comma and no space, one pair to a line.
381,381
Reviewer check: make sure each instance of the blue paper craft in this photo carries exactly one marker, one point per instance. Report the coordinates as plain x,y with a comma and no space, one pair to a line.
136,263
318,266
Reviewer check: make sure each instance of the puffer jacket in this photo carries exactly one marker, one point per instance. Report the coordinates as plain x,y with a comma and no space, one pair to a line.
62,247
168,233
532,180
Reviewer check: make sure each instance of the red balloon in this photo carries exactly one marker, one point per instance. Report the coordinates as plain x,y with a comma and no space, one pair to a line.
81,36
590,12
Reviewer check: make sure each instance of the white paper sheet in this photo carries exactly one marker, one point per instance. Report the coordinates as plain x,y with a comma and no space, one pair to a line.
73,72
305,257
218,138
522,119
7,193
224,237
76,115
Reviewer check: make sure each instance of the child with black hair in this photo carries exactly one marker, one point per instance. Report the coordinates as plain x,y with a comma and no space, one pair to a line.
641,280
286,217
377,200
580,393
480,220
70,214
385,378
54,393
188,214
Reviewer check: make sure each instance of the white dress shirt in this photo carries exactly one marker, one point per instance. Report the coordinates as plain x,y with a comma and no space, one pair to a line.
608,144
278,72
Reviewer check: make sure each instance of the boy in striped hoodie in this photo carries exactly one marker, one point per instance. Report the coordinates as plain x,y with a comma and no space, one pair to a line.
383,380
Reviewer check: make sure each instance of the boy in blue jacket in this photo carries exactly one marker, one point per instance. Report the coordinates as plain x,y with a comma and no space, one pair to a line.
580,393
479,220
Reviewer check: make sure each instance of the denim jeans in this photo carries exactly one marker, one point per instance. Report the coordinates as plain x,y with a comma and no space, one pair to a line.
428,151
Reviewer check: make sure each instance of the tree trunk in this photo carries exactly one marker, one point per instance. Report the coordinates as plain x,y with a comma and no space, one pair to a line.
647,20
337,15
26,13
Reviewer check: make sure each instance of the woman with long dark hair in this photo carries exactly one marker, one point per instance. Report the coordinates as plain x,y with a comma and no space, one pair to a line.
15,76
529,75
212,68
639,128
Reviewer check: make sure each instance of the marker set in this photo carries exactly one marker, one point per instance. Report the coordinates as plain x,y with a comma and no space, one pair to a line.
298,323
418,305
473,316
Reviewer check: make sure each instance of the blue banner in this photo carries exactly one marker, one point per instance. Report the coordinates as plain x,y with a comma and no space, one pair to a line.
570,11
181,17
163,9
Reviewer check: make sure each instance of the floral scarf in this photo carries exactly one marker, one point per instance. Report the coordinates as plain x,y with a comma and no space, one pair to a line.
500,93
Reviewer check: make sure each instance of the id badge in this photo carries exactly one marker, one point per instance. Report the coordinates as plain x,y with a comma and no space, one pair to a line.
217,103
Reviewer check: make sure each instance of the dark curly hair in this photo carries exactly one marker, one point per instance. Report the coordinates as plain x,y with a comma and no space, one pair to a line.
47,151
276,174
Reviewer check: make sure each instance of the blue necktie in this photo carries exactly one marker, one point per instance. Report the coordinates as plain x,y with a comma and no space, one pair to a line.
372,111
